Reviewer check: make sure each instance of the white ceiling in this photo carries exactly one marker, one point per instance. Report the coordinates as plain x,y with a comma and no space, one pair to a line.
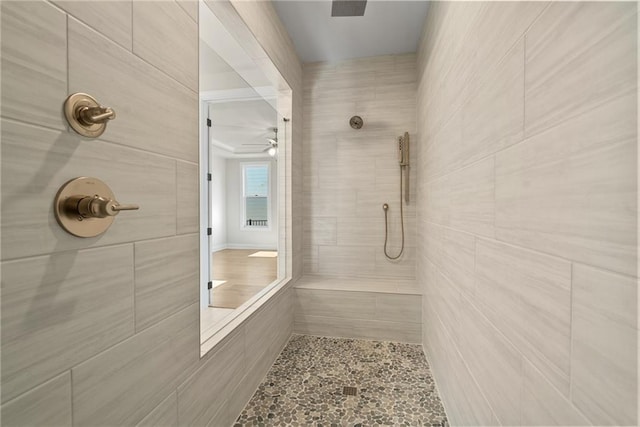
387,27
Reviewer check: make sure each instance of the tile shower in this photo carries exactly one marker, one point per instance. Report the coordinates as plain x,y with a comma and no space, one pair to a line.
521,234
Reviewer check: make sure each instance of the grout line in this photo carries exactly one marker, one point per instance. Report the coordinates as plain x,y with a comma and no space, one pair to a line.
71,391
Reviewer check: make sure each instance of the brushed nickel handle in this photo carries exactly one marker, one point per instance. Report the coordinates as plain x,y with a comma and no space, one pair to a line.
95,115
119,207
86,116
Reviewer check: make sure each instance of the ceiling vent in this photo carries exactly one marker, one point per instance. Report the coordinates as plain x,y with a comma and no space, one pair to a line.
348,7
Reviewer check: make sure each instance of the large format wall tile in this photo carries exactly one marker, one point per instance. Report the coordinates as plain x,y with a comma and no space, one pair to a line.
199,398
543,405
139,94
167,37
557,191
187,198
164,415
36,162
339,304
346,260
34,63
111,18
494,362
46,405
527,296
166,277
605,346
571,52
125,383
55,313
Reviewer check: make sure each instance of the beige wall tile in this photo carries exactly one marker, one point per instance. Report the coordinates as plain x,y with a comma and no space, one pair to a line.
39,161
48,404
494,362
167,278
398,308
571,191
125,383
55,313
111,18
164,415
191,7
471,198
527,296
200,397
543,405
604,375
34,63
320,231
570,52
166,36
358,328
108,72
338,304
503,97
347,260
187,198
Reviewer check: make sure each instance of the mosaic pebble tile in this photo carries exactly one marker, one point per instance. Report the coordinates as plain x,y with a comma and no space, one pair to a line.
305,386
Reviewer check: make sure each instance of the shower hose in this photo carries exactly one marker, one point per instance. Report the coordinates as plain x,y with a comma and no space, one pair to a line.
385,207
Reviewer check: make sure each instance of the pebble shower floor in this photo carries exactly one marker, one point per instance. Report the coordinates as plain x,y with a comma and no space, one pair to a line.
306,386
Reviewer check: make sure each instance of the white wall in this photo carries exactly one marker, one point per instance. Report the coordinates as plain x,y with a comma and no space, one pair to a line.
219,202
527,218
237,237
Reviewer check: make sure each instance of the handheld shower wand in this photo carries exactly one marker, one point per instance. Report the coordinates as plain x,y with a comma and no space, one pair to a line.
403,158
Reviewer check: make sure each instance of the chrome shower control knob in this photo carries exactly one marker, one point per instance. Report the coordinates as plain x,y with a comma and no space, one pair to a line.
86,207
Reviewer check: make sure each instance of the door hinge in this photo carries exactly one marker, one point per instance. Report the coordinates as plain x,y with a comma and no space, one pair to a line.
208,177
209,122
209,231
209,285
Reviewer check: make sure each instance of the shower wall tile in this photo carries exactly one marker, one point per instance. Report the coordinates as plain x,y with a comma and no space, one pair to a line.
34,63
146,120
113,19
167,37
166,277
543,405
187,197
358,328
321,231
557,193
527,184
398,308
349,174
125,383
471,198
527,296
497,367
55,313
401,268
191,7
503,97
604,356
336,304
570,52
47,404
147,156
346,260
38,161
165,414
199,396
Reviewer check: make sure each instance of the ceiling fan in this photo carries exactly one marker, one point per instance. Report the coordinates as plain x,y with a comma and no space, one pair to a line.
271,144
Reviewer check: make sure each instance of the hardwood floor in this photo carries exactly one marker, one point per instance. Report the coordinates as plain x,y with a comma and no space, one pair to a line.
245,276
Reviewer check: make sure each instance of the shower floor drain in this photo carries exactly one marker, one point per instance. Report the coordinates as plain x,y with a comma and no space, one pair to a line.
350,391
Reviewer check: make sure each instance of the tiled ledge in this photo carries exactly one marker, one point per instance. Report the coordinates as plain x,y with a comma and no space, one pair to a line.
353,284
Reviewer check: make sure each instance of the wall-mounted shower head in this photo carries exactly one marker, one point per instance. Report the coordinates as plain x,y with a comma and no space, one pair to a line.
356,122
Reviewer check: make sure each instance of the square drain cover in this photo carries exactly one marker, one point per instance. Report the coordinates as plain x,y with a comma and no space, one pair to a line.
350,391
